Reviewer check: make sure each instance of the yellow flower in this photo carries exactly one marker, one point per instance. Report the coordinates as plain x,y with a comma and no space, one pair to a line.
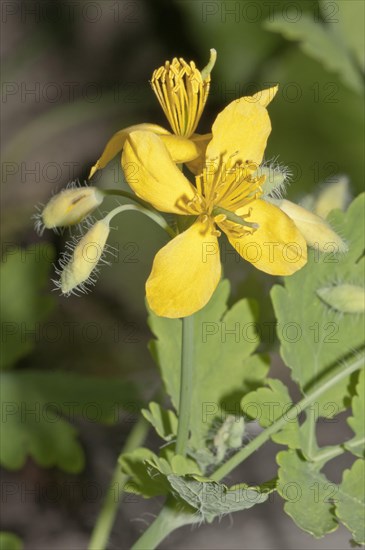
182,91
226,195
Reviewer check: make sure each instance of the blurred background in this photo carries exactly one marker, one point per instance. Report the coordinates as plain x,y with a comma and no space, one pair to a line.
75,371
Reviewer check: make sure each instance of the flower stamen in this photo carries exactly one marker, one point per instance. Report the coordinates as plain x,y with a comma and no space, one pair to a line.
182,91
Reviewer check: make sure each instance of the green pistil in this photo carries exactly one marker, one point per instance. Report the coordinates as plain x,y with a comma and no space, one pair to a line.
232,217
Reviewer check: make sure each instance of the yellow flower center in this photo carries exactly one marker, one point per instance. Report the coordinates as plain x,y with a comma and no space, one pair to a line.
182,92
223,190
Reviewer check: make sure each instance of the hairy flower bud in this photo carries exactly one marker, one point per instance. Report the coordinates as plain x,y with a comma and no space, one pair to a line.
77,270
314,229
346,298
69,207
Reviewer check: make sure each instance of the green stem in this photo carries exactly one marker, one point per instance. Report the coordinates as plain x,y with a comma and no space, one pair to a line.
186,383
146,209
293,413
126,195
155,216
328,454
167,521
310,446
155,533
105,521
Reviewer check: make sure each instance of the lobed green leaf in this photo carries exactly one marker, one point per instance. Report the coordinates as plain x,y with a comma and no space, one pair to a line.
164,421
313,336
211,499
356,445
307,493
135,465
266,405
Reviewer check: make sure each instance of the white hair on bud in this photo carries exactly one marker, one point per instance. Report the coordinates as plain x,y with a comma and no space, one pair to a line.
277,178
39,226
76,184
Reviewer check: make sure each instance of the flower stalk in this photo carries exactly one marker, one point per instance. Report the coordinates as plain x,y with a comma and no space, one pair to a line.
186,383
169,519
152,214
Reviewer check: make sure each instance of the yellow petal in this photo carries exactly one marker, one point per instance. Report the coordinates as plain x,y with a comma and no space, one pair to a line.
264,97
196,166
180,149
185,273
151,173
276,247
240,132
116,143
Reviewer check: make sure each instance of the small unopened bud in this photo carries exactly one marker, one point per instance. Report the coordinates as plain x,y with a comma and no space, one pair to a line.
69,207
229,436
346,298
79,269
314,229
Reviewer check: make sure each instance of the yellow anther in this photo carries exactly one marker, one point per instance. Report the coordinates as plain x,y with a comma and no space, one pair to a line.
182,93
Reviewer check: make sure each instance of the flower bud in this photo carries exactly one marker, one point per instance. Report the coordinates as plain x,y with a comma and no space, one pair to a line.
333,196
70,207
346,298
78,271
314,229
229,436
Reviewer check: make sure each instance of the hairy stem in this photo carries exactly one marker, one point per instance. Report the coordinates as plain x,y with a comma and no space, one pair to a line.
169,519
